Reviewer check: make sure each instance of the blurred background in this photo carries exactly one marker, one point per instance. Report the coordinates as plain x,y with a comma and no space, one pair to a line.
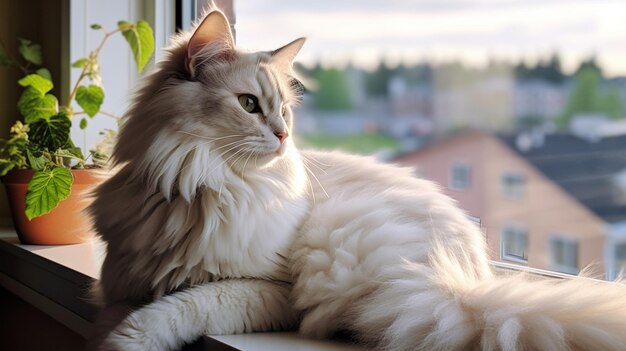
515,107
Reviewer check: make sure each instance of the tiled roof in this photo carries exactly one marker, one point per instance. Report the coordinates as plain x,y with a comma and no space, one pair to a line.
586,170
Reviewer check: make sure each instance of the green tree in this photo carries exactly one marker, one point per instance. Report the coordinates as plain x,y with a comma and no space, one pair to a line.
333,91
611,103
585,95
377,82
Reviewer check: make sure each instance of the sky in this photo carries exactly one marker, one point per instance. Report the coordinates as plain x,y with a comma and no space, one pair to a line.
472,31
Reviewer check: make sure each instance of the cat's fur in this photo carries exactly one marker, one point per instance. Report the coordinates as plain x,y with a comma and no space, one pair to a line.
217,228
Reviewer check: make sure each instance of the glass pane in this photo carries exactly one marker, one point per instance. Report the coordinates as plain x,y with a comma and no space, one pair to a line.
530,95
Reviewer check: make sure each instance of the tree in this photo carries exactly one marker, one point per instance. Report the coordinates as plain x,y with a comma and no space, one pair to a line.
590,63
333,91
611,103
550,70
377,82
585,95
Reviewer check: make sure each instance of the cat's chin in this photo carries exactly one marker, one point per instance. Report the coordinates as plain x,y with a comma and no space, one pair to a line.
266,158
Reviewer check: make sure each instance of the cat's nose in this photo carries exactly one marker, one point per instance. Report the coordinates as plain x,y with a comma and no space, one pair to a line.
281,135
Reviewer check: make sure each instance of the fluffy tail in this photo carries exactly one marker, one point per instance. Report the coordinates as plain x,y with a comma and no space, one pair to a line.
443,309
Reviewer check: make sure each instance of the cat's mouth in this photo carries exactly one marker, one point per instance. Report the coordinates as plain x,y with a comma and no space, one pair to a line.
278,152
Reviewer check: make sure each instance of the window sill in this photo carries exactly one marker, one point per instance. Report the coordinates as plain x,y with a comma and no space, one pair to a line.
55,279
514,259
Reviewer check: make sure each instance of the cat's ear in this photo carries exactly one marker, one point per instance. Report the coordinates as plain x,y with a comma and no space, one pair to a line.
287,53
213,29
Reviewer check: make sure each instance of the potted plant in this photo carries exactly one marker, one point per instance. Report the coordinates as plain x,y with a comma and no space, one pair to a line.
45,174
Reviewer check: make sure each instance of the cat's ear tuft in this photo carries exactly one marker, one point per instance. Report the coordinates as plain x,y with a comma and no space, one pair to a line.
288,52
214,28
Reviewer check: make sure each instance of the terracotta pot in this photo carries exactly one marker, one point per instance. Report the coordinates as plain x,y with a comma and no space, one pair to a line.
66,224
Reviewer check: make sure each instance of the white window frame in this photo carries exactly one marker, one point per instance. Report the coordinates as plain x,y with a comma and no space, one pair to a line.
617,270
509,192
556,266
452,184
515,228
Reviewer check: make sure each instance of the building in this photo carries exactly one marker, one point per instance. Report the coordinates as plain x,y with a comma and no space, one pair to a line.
539,100
560,204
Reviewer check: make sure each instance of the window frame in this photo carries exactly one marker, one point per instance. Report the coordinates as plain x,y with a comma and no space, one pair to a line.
510,192
617,270
516,229
555,266
452,184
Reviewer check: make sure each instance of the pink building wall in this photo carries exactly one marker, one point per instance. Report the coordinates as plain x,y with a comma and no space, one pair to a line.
544,209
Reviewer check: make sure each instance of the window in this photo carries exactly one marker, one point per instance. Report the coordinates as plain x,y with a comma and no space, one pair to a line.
514,244
512,184
429,99
620,260
459,176
564,255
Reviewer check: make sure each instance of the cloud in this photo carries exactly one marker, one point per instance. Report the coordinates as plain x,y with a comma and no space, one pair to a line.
470,30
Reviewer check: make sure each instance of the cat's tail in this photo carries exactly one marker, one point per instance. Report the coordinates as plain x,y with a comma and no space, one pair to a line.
442,308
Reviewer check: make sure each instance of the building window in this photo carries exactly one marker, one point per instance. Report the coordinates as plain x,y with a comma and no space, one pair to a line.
564,255
512,184
620,260
459,176
514,244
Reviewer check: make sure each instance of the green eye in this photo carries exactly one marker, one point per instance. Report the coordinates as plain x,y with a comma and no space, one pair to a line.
249,103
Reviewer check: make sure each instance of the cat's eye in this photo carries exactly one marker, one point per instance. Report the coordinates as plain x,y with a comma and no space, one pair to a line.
283,110
249,103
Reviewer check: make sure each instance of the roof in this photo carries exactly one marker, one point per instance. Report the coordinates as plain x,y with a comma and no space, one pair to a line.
586,170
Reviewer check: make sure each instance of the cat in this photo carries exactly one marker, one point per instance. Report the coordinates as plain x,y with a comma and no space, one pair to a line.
215,223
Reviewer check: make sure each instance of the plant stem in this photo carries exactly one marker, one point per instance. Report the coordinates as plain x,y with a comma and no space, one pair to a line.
13,60
92,55
108,114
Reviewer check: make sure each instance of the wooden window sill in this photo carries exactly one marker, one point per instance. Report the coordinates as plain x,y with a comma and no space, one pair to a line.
56,280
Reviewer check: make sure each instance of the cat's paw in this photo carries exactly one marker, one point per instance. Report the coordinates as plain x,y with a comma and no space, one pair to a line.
137,332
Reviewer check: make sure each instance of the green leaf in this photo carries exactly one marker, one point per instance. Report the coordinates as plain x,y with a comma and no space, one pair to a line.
34,105
36,163
71,153
76,151
31,52
95,26
51,133
44,73
141,41
43,85
90,98
80,63
5,167
83,123
46,189
4,58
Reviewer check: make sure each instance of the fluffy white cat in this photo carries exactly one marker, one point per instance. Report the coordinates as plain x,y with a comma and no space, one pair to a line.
216,224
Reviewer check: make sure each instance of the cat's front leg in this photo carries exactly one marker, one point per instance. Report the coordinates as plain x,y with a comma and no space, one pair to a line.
223,307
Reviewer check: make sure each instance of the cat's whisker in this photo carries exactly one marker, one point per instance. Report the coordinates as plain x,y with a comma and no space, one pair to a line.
239,158
219,193
208,138
317,180
246,164
313,159
228,144
311,187
193,149
229,157
305,158
188,164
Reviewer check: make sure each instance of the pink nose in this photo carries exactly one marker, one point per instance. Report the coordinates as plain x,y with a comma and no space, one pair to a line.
281,135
